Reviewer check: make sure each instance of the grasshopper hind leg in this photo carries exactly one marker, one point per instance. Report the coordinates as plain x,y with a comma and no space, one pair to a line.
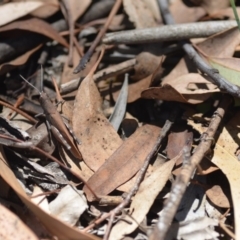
60,137
72,133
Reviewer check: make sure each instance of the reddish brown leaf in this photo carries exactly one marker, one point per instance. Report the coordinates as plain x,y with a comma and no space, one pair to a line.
37,26
5,67
166,92
124,163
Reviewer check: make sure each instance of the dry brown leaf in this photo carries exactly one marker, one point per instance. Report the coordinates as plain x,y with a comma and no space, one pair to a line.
211,6
176,142
166,92
148,191
124,163
183,14
225,13
38,26
19,61
49,8
220,45
12,11
135,89
139,13
230,166
11,227
183,82
217,196
77,8
91,126
56,227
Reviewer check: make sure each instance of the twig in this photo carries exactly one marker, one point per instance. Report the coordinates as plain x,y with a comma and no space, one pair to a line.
168,33
216,78
19,111
182,180
90,51
71,31
141,173
226,230
103,74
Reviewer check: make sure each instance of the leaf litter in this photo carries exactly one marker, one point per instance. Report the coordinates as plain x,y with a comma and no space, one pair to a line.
122,171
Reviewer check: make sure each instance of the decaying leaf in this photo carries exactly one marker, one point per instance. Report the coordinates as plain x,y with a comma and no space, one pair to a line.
124,163
69,205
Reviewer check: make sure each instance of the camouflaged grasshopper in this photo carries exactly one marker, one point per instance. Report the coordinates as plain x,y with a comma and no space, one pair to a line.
54,121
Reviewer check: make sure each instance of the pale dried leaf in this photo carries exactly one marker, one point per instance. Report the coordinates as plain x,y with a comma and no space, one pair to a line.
201,228
148,191
191,14
12,11
41,200
69,205
139,13
230,166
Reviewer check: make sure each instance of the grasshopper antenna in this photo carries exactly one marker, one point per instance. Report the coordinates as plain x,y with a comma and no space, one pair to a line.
30,84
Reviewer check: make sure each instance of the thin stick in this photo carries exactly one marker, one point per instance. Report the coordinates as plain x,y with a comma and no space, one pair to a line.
101,75
168,33
17,104
90,51
71,31
226,230
19,111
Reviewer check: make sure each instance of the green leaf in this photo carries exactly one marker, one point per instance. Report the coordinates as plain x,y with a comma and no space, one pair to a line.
229,68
